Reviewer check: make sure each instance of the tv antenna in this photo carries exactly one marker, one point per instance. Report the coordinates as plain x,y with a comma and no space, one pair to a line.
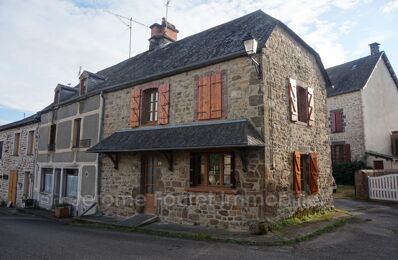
167,9
129,23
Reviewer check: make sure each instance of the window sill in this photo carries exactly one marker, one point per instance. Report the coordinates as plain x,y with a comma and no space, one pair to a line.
45,193
212,190
301,123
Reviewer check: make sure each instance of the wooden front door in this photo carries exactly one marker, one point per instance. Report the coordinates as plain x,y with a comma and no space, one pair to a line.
12,187
150,180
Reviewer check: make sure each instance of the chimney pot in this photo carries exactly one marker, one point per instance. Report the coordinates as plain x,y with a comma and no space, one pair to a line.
374,48
162,34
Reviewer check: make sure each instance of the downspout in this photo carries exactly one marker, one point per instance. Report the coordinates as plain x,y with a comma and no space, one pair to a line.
100,132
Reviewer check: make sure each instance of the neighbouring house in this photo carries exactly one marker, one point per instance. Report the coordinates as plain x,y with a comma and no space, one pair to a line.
363,111
67,128
198,131
17,160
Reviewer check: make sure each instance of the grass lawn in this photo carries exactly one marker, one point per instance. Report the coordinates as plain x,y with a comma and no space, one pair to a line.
345,192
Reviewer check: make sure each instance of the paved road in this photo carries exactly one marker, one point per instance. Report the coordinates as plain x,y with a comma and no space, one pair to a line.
373,234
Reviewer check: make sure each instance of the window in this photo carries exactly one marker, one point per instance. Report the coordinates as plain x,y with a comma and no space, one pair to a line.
341,153
76,133
150,106
302,104
71,181
47,180
53,134
31,138
336,118
209,103
212,169
1,150
17,140
394,143
305,173
378,165
83,86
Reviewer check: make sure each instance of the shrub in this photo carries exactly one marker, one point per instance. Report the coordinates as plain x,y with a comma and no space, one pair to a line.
344,173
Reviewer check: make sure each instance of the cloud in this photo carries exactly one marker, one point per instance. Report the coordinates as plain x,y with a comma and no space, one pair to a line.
4,122
44,42
390,7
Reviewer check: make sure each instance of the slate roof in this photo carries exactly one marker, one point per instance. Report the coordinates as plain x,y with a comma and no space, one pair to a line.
27,121
353,75
211,46
236,133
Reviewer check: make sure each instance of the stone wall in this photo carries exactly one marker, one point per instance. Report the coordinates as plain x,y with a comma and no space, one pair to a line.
23,163
285,58
351,104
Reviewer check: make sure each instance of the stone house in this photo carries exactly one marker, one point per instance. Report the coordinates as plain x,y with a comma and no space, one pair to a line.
65,173
197,131
17,160
363,111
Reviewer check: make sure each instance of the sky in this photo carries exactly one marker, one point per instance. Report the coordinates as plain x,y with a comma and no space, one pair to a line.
44,42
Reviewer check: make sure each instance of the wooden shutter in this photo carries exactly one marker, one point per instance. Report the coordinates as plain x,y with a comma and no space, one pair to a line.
314,173
297,173
135,107
333,121
164,104
347,153
216,96
12,186
339,121
311,106
293,100
204,97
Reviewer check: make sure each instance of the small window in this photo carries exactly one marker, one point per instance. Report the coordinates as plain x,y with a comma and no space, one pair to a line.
47,180
17,140
71,182
76,133
212,169
337,121
1,150
150,105
378,165
53,134
302,104
83,86
31,138
341,153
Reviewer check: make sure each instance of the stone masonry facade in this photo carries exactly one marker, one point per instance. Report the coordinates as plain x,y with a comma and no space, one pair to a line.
23,163
270,172
353,134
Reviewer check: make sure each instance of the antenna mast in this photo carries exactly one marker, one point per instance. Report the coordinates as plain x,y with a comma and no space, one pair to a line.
167,9
129,23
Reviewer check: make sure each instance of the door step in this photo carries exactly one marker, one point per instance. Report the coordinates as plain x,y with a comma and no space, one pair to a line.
139,220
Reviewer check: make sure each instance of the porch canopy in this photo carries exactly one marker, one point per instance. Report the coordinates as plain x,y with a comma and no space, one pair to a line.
199,135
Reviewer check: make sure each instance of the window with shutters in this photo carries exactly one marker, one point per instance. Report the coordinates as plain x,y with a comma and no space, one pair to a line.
209,100
150,106
378,165
302,103
17,142
31,139
212,170
341,153
305,173
337,121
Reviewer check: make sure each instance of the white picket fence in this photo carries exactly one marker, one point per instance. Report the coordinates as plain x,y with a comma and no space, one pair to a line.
384,187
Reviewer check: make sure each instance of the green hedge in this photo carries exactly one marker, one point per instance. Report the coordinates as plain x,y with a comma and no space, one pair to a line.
344,173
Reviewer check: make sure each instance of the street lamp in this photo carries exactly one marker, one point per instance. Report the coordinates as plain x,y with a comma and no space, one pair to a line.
251,44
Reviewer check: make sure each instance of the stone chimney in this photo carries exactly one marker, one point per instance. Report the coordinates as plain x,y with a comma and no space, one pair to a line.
374,48
161,35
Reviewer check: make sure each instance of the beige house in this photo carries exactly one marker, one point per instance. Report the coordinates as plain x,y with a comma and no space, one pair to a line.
363,110
202,131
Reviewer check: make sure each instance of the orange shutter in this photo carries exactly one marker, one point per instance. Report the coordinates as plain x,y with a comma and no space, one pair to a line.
135,107
164,103
314,173
311,107
297,173
204,98
293,100
216,96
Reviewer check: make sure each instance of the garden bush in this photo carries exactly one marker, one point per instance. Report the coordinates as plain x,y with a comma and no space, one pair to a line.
344,173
